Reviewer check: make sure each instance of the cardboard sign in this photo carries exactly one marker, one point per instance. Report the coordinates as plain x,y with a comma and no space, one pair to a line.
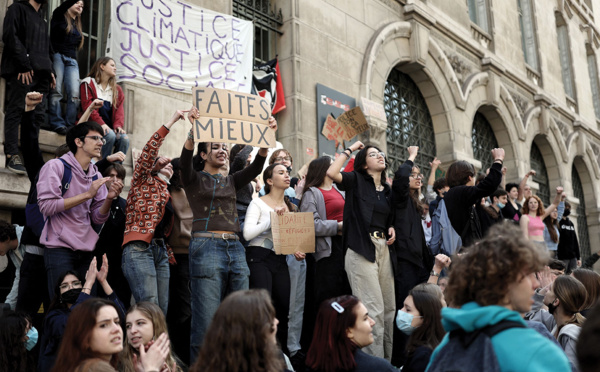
333,131
353,122
293,232
232,117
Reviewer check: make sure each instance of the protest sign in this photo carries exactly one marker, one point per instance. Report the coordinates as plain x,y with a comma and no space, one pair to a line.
293,232
332,130
232,117
353,122
174,45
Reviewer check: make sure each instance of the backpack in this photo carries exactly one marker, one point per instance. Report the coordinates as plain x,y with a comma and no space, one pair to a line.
444,239
471,351
33,216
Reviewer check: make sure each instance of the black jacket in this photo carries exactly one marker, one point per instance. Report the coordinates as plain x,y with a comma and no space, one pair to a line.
568,245
358,211
26,42
410,238
63,43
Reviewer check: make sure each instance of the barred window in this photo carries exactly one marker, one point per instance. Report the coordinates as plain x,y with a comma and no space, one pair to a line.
541,177
582,226
409,122
266,21
484,141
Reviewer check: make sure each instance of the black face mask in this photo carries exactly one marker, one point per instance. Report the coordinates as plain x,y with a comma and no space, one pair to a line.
552,308
567,212
70,296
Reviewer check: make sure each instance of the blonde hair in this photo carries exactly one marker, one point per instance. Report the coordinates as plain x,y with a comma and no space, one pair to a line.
96,74
154,314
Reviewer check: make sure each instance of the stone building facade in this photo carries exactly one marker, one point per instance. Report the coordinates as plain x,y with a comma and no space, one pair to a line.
455,77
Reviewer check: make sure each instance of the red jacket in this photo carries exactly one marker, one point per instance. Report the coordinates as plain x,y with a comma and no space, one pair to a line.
87,94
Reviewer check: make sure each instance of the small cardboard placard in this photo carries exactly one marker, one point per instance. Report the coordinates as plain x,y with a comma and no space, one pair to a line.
293,232
332,130
353,123
232,117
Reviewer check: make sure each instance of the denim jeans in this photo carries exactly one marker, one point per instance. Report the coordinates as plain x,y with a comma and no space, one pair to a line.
217,268
67,74
146,267
297,271
120,142
59,260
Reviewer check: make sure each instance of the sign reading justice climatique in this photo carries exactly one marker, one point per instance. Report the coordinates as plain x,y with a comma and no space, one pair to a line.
232,117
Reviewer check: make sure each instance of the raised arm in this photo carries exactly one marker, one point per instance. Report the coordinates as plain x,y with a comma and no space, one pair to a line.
555,202
95,105
401,183
334,169
524,182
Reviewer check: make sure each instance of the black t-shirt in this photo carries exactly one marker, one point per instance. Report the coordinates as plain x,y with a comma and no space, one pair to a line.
381,211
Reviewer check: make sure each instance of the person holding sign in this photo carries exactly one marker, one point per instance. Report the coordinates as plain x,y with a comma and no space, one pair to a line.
368,231
269,270
217,258
101,83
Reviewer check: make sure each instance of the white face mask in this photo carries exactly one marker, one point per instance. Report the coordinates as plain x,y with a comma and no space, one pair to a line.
164,178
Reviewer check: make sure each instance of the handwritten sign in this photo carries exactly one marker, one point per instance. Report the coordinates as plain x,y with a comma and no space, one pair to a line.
232,117
332,130
173,45
353,122
293,232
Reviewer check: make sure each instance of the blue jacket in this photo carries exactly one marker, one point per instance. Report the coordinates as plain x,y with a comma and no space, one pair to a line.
517,349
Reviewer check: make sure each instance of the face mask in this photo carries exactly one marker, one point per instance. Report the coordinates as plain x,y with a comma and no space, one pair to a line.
70,296
501,205
567,212
33,338
164,178
404,322
552,307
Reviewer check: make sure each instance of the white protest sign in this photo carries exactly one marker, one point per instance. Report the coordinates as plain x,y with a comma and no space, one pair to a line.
173,45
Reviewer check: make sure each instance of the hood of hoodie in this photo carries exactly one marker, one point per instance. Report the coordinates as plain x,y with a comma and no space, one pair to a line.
76,168
471,316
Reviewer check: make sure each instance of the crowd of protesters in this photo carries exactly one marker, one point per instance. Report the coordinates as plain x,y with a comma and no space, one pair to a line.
183,274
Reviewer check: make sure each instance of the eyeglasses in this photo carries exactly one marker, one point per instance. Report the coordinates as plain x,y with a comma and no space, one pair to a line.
282,158
96,138
75,284
376,154
416,175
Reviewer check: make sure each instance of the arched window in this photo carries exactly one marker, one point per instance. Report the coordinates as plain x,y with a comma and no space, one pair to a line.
484,141
541,177
582,230
409,122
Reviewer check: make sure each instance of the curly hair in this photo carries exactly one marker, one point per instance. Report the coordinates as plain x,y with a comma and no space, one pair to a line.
239,336
540,211
484,273
7,231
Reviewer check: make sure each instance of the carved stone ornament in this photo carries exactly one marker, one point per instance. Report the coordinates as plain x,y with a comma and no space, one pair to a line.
520,102
461,69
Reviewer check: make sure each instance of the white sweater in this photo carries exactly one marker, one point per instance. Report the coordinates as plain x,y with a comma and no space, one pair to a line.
257,225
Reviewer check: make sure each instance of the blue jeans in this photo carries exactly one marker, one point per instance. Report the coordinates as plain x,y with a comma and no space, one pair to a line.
146,268
59,260
120,142
217,268
67,73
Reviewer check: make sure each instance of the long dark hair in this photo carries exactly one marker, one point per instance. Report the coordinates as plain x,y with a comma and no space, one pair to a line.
75,347
360,162
239,336
13,355
331,350
175,181
316,173
268,174
572,296
431,332
459,172
56,300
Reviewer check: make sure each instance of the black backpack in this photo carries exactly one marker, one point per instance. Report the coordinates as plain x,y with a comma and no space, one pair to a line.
471,351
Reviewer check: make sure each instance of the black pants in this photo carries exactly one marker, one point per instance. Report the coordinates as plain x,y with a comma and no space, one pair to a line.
330,277
33,287
30,128
270,271
179,315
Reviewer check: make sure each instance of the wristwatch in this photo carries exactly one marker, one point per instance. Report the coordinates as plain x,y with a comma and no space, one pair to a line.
433,273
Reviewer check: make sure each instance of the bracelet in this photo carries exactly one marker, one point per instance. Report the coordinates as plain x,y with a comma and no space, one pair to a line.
433,273
500,160
345,153
190,135
348,149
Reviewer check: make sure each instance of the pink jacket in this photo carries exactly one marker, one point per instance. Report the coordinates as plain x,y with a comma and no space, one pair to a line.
69,228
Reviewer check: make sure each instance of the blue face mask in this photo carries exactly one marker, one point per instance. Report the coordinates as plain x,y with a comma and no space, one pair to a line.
501,205
404,322
32,340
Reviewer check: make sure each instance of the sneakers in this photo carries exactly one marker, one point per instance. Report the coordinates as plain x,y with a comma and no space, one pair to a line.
15,164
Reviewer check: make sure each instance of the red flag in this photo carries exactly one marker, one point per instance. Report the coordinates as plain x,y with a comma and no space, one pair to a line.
280,98
267,83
